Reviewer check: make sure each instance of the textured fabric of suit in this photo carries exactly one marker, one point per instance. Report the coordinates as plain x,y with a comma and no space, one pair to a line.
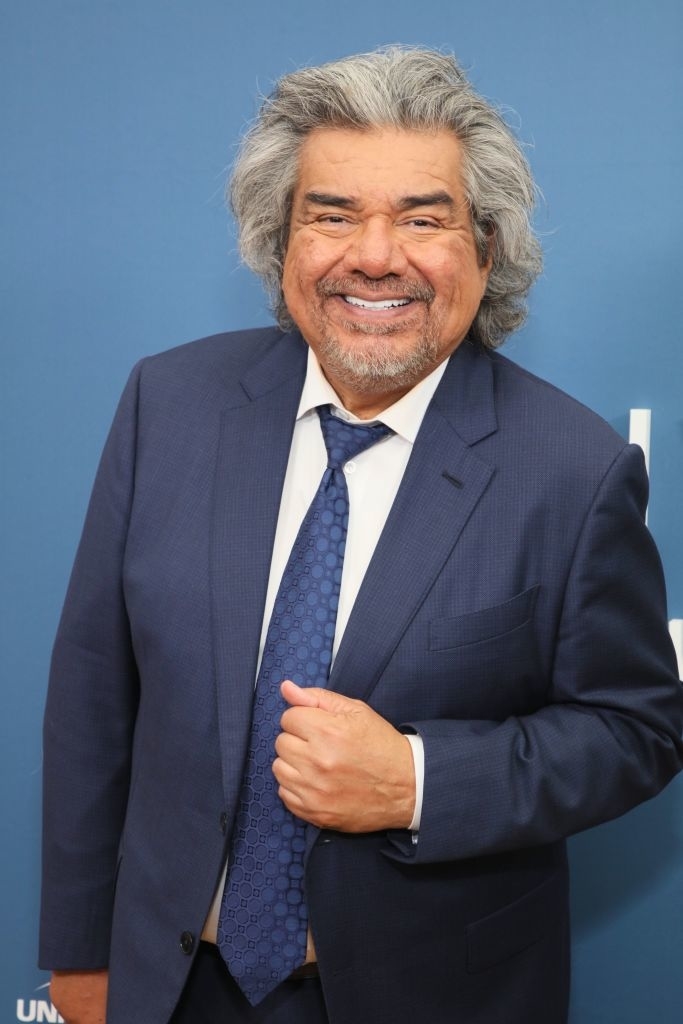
513,615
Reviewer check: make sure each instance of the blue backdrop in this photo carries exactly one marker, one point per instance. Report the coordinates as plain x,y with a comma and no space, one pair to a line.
118,122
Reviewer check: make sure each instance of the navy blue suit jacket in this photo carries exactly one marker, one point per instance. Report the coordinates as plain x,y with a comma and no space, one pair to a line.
513,614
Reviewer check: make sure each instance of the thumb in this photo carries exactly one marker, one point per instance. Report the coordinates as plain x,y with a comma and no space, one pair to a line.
315,697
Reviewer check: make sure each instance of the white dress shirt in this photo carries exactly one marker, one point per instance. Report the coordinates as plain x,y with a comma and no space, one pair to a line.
372,478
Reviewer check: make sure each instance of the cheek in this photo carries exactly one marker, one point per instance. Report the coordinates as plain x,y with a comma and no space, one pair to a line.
290,270
445,268
447,280
462,277
307,261
296,287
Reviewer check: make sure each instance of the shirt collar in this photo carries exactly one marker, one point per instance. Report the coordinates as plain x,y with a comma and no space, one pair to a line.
403,417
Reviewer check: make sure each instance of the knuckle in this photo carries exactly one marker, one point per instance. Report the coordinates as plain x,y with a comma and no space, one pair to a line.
326,762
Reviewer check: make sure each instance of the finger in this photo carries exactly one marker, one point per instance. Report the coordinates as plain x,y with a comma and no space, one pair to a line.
282,772
289,787
289,774
291,801
290,748
317,697
300,696
299,722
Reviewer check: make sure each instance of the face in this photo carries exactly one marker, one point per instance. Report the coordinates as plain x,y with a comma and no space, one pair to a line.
381,273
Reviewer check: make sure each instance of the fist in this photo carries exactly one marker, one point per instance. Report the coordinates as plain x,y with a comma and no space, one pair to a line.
340,765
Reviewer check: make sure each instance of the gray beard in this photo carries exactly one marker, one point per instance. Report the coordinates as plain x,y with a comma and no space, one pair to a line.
378,367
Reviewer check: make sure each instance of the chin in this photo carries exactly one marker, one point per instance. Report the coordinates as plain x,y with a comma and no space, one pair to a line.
375,362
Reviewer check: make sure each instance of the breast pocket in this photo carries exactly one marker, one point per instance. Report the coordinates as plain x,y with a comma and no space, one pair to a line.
487,662
487,624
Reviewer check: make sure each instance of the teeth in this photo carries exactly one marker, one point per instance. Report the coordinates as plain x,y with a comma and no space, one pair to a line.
381,304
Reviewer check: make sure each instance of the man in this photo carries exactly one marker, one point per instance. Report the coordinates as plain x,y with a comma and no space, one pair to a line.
501,670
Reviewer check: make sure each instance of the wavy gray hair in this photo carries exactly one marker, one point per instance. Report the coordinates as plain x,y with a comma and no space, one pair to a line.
405,88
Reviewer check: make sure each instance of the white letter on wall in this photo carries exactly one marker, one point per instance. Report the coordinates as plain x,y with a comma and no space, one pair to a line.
676,630
639,433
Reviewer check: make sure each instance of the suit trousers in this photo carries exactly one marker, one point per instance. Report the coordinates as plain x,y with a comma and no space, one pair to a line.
211,996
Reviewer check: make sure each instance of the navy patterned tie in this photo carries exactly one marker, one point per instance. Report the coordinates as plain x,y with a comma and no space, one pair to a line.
263,921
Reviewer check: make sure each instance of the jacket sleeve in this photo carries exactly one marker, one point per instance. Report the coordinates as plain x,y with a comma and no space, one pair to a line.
89,720
609,736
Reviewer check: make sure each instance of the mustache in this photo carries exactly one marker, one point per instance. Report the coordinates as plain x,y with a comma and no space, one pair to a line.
389,287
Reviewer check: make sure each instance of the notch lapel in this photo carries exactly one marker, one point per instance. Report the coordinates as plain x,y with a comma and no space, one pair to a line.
441,487
252,459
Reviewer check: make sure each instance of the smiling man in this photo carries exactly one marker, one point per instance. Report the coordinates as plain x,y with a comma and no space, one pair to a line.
382,274
365,620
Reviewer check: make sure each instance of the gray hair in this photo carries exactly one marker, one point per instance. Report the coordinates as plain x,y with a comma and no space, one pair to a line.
404,88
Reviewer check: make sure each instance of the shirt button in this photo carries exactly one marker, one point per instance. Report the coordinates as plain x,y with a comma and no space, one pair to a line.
350,467
187,942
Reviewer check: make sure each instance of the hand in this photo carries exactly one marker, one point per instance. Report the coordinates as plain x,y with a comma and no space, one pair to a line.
80,996
342,766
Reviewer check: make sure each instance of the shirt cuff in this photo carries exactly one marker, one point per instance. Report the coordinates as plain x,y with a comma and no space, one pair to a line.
417,747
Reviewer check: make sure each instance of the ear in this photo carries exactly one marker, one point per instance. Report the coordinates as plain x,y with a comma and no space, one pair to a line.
487,250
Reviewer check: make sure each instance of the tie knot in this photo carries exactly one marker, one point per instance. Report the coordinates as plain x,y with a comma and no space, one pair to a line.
344,440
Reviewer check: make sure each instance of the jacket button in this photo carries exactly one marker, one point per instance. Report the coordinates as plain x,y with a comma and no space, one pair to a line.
187,942
224,822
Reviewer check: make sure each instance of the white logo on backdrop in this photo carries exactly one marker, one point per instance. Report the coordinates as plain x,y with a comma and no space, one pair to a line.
639,433
39,1010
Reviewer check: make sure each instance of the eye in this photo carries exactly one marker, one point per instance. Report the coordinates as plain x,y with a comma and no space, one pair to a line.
422,222
333,224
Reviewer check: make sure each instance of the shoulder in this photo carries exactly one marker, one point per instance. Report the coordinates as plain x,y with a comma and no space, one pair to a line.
534,411
550,447
213,369
223,356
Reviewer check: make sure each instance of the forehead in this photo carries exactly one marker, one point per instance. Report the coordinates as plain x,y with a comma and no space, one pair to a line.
387,160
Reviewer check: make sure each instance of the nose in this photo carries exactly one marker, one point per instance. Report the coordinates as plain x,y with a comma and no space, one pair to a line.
375,250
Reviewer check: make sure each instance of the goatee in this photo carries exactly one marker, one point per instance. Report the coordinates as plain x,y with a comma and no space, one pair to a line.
377,364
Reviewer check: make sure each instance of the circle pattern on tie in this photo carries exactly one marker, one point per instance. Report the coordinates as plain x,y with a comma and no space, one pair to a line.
263,920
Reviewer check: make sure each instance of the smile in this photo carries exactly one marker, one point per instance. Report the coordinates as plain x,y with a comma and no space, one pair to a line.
380,304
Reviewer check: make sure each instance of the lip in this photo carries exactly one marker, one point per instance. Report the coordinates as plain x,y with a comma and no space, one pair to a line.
352,311
377,302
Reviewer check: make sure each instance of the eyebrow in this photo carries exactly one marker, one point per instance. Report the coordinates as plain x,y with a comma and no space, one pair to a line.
328,199
439,198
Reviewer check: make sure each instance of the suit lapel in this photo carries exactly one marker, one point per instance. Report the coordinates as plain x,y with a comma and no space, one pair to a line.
252,459
442,484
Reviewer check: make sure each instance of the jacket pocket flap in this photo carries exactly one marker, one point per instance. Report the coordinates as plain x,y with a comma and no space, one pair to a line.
517,926
484,624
